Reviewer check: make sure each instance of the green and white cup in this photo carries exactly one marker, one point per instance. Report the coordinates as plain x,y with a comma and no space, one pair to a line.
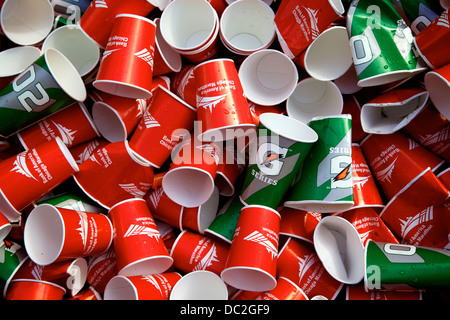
326,183
392,266
45,87
12,256
381,44
418,14
275,158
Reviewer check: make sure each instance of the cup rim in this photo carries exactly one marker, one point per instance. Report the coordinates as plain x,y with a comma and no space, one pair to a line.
260,286
23,67
218,281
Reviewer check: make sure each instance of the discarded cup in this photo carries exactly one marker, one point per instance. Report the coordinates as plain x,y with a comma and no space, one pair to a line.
28,289
285,290
437,83
199,285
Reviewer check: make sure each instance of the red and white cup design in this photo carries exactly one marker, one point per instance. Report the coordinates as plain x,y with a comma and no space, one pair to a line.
285,290
369,225
252,260
71,274
418,214
83,151
432,42
98,20
396,159
114,173
73,125
298,223
365,190
351,106
145,287
299,262
126,68
164,124
183,84
5,227
27,289
102,267
437,82
192,251
166,59
431,130
358,292
163,208
299,22
137,242
444,177
39,170
55,234
222,107
88,294
117,117
190,179
256,110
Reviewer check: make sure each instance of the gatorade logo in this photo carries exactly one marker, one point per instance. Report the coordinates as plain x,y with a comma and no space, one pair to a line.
340,168
269,158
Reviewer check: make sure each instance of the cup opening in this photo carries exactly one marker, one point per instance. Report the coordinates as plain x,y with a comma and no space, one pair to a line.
170,57
320,206
120,288
199,285
108,122
122,89
288,127
150,265
44,234
247,278
438,88
208,211
4,230
67,154
15,60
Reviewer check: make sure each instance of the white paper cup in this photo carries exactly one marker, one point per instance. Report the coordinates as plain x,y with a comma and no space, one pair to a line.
15,60
330,55
27,22
199,285
247,26
348,82
187,25
268,77
81,51
339,247
438,86
314,98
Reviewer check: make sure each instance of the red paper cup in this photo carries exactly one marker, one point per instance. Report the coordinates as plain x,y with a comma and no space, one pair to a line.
73,125
418,214
395,160
252,260
138,244
298,223
299,262
147,287
167,60
56,234
126,68
192,251
369,225
70,274
444,177
34,290
358,292
114,173
83,151
102,267
432,42
98,20
285,290
257,109
229,170
365,190
87,295
5,227
164,208
117,117
352,107
183,84
199,285
165,122
431,130
190,179
221,105
437,82
39,170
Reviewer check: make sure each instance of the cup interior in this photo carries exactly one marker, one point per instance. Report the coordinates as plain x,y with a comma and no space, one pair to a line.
251,279
108,122
439,88
288,127
15,60
199,285
120,288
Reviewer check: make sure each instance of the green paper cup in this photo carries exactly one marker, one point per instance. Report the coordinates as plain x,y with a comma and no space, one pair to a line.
326,183
12,256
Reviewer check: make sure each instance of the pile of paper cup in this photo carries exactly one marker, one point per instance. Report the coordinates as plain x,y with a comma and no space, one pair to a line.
224,150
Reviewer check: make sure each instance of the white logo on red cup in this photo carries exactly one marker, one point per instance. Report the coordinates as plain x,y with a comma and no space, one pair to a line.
101,268
27,289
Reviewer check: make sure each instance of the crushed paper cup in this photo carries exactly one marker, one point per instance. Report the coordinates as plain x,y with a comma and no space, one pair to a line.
88,294
382,47
437,82
125,52
348,82
146,287
192,251
396,159
114,173
55,234
417,213
135,228
14,256
313,98
405,267
299,22
252,260
444,177
73,43
285,290
199,285
58,84
26,22
268,77
339,247
40,169
392,110
28,289
298,224
299,262
73,125
5,227
247,26
417,14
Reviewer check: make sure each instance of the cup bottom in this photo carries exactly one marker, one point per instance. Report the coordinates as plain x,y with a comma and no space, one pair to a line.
248,278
